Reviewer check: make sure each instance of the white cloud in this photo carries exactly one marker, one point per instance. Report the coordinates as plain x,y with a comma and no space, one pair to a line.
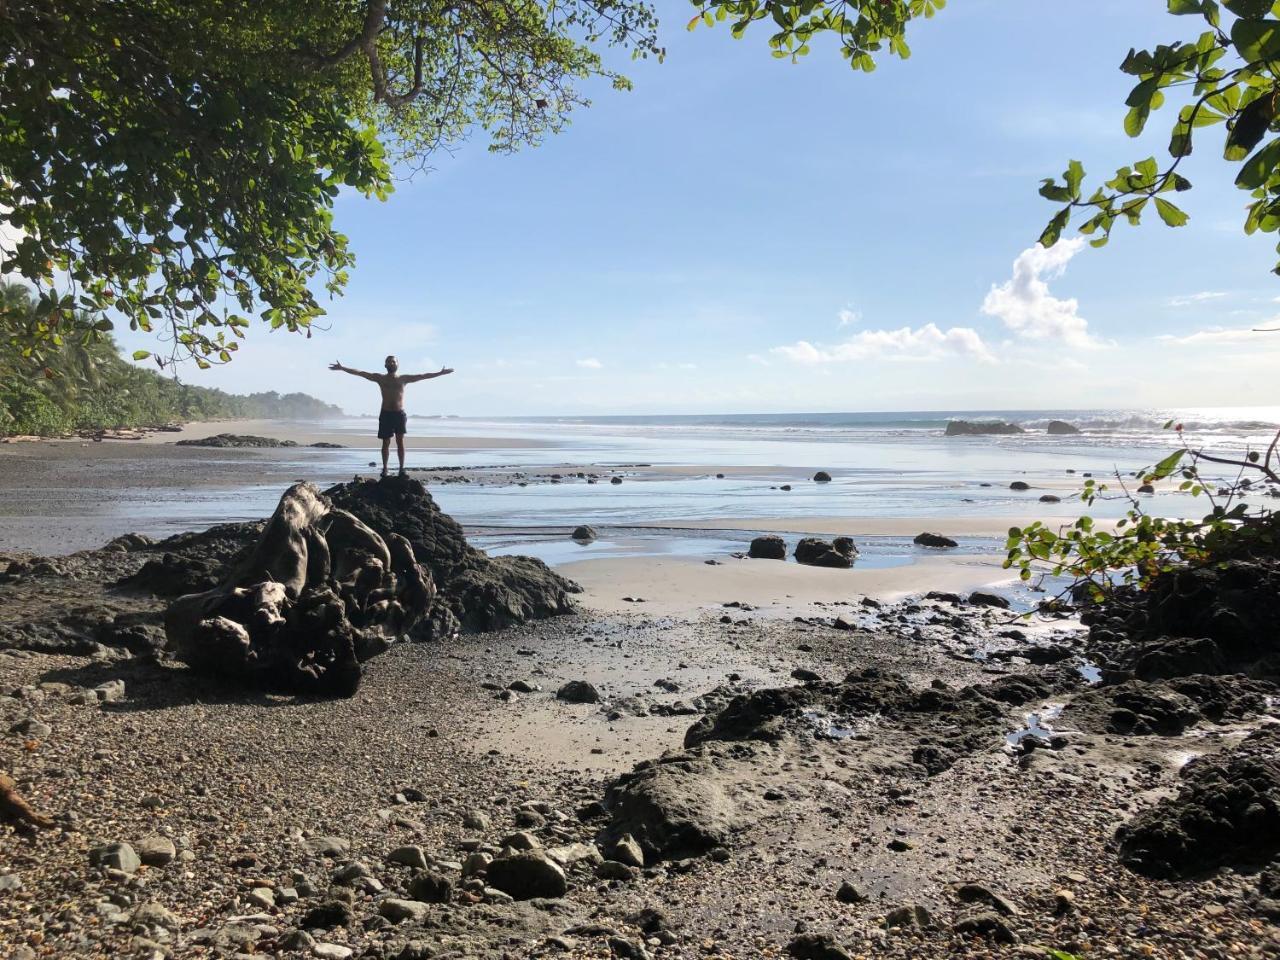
1023,302
850,318
756,358
927,342
1191,299
590,363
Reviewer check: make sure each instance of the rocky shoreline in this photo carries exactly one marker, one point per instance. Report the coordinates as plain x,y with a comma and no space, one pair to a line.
916,779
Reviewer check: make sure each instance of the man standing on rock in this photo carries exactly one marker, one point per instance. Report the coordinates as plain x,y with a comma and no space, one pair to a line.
392,420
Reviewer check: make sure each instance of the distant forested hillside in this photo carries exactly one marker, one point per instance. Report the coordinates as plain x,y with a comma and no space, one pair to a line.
91,387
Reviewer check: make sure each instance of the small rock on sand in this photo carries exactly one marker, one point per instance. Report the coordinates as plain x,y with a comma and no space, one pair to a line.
578,691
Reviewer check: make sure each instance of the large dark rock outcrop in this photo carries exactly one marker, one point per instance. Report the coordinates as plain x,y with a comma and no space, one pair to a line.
966,428
223,440
1227,811
1217,619
318,593
475,592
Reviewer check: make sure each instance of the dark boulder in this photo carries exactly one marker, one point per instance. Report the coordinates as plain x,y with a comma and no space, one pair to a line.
1060,428
475,592
583,533
526,875
1050,498
768,547
1019,485
822,477
318,594
1146,488
578,691
933,540
814,552
966,428
980,598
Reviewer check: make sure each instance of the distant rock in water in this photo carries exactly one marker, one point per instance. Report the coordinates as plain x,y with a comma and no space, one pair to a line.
317,595
1061,428
933,540
822,477
966,428
475,592
235,440
583,533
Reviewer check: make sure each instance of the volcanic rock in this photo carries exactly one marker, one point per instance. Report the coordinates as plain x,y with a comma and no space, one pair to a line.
933,540
235,440
966,428
1226,812
768,548
475,592
819,553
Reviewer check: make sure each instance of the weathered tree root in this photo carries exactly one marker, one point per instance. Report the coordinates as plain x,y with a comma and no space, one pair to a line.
319,593
13,807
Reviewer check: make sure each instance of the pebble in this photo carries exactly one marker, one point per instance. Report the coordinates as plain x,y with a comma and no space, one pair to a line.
398,911
331,951
32,728
156,851
115,856
410,856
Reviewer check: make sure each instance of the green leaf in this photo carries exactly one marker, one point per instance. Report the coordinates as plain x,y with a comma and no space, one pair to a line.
1054,230
1249,9
1170,214
1256,39
1166,466
141,354
1258,168
1183,7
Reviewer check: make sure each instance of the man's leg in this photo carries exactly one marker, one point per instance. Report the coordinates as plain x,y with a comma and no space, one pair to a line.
386,449
400,450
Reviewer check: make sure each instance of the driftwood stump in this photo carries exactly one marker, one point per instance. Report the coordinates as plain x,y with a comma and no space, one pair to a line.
318,594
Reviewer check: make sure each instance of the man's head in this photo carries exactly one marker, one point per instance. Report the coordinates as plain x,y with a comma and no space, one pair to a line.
392,365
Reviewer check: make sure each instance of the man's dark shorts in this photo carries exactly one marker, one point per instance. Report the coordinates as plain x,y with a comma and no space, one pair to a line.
391,422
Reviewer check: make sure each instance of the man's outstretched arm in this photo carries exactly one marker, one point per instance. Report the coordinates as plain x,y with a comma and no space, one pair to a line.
415,377
355,373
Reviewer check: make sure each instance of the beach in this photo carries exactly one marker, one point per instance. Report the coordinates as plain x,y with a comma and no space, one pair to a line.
888,756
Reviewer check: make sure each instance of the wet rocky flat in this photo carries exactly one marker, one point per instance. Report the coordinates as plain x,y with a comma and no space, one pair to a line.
861,781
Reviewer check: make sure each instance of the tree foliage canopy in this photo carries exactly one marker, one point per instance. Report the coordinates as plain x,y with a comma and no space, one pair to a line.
177,162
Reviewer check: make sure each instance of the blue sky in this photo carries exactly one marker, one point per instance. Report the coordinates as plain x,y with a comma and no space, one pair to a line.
739,234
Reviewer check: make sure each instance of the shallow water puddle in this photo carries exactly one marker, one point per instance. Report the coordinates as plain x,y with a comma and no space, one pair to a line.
827,726
1039,724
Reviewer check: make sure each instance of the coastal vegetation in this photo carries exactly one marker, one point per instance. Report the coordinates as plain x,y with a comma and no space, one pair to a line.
88,386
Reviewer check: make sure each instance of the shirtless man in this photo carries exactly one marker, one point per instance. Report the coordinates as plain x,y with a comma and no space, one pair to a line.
392,420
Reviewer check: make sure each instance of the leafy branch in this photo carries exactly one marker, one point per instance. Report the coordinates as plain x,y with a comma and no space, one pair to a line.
1143,546
1230,71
